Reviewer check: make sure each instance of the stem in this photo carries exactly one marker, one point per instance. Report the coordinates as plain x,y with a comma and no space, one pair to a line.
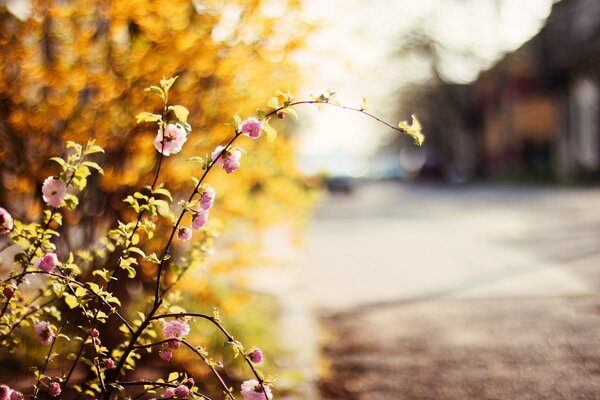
37,385
212,368
229,336
158,384
174,230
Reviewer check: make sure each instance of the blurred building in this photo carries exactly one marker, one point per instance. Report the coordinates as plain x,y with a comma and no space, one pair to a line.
535,112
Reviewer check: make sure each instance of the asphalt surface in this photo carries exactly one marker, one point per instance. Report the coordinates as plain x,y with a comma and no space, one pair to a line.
434,292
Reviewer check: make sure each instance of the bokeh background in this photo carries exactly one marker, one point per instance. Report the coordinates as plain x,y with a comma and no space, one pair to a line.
365,266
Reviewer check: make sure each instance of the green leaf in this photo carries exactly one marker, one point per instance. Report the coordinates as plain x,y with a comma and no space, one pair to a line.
173,376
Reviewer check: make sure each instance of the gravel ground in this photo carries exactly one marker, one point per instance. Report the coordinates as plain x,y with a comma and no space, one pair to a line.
541,348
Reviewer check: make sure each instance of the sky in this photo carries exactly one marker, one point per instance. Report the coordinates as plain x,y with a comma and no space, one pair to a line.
352,53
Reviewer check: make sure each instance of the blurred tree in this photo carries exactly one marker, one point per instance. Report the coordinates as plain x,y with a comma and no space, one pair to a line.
77,70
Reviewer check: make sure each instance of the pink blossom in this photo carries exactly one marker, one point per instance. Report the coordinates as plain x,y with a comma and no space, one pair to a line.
5,392
6,222
174,344
175,329
48,262
190,382
44,332
252,390
165,355
9,292
169,394
16,395
54,389
174,138
229,160
200,219
256,356
94,333
109,363
207,198
54,191
184,234
251,128
182,392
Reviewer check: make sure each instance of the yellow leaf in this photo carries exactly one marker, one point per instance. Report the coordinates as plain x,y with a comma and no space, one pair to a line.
271,133
147,117
180,112
71,301
413,130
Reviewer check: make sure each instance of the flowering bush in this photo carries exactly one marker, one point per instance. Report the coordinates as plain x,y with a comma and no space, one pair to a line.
78,292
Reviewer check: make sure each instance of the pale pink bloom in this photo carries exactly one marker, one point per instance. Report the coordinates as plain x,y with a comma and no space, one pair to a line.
251,127
16,395
44,332
165,355
174,138
199,219
207,198
184,234
54,389
229,160
109,363
5,392
6,223
252,390
256,356
54,191
182,392
175,329
169,394
48,262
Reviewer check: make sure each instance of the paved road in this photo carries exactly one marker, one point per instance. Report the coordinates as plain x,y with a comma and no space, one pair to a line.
398,263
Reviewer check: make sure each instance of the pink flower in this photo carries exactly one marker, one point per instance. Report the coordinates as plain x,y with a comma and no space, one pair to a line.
229,160
182,392
175,329
54,389
6,223
169,394
172,141
16,395
184,234
165,355
9,292
199,219
54,191
5,392
44,332
109,363
94,333
207,198
48,262
252,390
251,128
256,356
174,344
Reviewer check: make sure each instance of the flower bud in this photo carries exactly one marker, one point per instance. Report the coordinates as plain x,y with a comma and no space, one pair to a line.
9,292
54,389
